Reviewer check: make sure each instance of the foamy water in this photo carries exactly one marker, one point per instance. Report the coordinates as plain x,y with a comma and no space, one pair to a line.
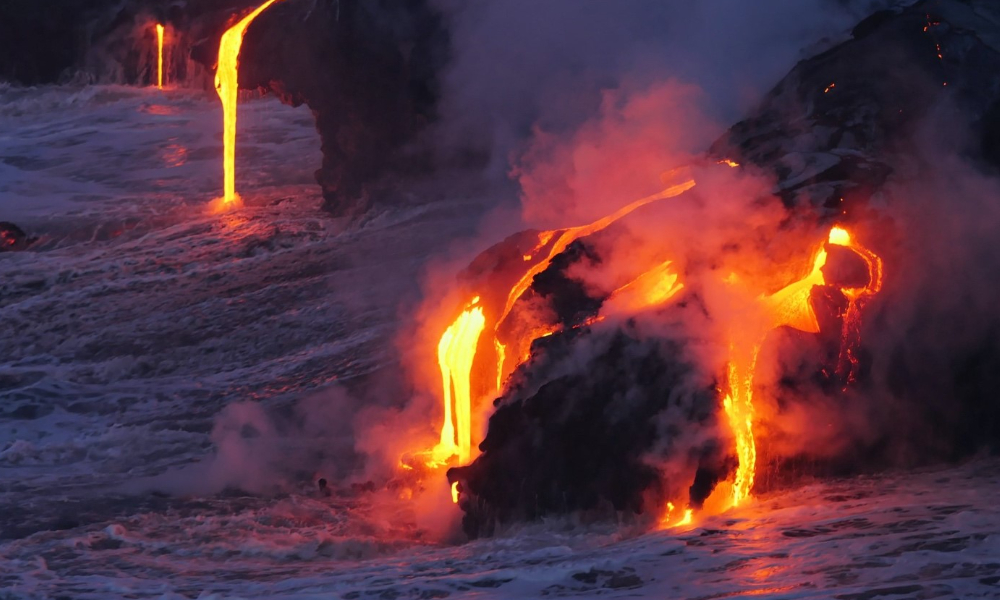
139,322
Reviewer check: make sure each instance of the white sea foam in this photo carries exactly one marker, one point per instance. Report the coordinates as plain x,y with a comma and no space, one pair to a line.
139,317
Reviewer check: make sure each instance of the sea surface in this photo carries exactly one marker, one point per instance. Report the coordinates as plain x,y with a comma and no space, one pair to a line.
148,345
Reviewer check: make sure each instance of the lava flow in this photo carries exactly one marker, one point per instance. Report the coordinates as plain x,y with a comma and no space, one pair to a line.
456,351
457,347
159,56
788,307
652,288
227,86
557,242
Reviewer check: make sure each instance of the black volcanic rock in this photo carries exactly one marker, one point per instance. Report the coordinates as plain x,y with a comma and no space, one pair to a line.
13,238
584,431
111,41
368,70
38,44
575,430
827,130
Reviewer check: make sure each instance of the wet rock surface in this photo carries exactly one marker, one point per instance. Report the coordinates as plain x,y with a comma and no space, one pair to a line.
13,238
585,429
827,130
369,72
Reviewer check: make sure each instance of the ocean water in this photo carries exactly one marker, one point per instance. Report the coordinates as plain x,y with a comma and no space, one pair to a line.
148,344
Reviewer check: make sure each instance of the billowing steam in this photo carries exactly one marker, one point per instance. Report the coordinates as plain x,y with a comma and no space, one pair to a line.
688,351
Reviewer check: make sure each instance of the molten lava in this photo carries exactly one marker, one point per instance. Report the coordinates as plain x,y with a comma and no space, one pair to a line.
456,352
788,307
457,346
557,242
159,56
227,86
652,288
857,297
566,237
667,521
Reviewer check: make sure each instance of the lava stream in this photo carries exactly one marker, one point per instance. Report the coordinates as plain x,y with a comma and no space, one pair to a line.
558,241
456,353
159,56
652,288
227,86
457,347
788,307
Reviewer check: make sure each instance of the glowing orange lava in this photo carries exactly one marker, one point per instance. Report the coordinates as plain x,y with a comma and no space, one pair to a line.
788,307
567,236
558,241
159,56
847,364
227,86
652,288
667,521
456,352
457,346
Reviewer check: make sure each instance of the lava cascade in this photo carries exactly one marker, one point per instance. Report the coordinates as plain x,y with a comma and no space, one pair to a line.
159,56
227,86
788,307
457,346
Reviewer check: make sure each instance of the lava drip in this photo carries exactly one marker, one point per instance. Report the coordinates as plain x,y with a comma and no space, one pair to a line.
457,346
227,86
857,296
788,307
456,353
159,56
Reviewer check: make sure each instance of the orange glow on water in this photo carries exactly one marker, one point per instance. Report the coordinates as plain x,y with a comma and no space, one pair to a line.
669,521
159,56
227,86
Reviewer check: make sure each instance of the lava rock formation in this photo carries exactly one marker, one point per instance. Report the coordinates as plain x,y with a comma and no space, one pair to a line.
13,238
368,69
577,427
584,430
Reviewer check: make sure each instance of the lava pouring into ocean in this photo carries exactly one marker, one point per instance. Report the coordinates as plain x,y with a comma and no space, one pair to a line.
662,282
788,307
227,86
457,347
159,55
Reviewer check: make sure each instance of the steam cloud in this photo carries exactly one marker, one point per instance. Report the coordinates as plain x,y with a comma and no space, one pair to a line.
585,103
